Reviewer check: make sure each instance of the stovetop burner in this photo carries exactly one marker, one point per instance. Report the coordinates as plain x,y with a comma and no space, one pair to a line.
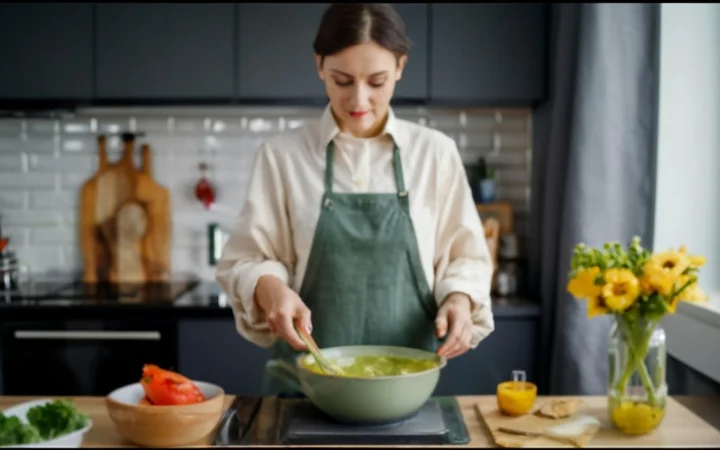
307,425
298,422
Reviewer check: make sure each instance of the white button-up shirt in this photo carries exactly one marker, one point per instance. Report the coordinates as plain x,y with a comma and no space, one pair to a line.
274,233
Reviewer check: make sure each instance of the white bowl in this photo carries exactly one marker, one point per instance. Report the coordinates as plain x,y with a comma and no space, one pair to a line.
70,440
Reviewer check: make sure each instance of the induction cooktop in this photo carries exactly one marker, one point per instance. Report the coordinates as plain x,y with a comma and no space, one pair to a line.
299,422
74,291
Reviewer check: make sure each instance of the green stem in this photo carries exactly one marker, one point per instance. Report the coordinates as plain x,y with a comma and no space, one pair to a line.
637,358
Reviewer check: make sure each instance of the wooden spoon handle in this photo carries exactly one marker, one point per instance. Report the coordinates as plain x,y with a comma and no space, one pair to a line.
315,350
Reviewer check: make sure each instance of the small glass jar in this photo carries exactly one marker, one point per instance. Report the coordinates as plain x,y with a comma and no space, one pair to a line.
637,387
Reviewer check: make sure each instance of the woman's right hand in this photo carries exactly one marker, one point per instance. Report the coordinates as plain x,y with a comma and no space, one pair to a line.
282,307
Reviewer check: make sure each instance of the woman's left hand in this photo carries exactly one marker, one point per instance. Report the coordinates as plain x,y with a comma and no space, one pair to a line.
454,319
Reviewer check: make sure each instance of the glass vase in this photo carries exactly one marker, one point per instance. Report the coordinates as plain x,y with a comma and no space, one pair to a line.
637,387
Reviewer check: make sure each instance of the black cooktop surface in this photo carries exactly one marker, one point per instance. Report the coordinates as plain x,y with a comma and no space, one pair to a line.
78,292
166,292
280,421
33,290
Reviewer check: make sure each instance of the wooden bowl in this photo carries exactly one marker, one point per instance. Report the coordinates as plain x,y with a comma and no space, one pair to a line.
165,426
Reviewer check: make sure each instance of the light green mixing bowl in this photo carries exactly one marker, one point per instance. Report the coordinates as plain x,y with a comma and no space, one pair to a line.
370,400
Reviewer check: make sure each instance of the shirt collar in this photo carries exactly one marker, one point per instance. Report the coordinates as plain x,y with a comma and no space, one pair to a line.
329,129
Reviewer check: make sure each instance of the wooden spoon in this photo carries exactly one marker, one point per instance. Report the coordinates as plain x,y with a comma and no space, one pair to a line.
324,364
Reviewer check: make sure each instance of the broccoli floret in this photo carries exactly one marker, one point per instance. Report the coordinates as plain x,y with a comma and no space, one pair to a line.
56,418
14,432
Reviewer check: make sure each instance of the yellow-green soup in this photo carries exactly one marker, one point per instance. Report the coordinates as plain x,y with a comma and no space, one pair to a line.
377,366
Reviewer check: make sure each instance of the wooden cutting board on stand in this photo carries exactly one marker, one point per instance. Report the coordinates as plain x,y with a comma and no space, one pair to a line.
125,224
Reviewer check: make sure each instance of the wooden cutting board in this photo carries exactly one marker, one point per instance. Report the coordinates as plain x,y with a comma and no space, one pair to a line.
124,221
527,430
681,427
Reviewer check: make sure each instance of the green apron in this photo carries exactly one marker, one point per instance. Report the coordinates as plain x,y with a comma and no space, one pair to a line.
364,282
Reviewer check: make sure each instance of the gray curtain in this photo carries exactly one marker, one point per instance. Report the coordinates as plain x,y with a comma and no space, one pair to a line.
593,172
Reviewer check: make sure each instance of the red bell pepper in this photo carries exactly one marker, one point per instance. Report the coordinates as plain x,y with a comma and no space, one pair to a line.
164,387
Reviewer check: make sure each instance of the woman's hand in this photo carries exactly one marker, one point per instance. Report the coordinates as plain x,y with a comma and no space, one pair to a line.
455,314
282,307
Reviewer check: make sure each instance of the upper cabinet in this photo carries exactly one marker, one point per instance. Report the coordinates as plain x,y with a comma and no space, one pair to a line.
46,51
462,54
414,82
485,53
279,65
275,53
164,51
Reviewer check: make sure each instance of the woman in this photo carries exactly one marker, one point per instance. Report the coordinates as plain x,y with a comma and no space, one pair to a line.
360,228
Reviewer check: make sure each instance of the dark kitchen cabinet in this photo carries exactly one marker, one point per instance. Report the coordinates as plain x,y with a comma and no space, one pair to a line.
82,357
488,53
46,51
216,53
274,51
158,51
211,350
512,346
279,64
414,82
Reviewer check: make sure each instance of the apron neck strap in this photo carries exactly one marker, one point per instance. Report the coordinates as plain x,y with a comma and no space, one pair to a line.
397,167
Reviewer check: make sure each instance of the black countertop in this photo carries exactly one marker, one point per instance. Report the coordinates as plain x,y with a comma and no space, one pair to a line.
183,299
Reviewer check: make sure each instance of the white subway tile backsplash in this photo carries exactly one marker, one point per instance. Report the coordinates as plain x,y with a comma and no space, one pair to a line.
53,235
78,126
75,144
65,163
34,218
44,163
41,258
188,125
26,180
71,256
74,181
11,163
69,218
54,200
514,176
13,199
110,125
42,127
37,144
11,127
18,236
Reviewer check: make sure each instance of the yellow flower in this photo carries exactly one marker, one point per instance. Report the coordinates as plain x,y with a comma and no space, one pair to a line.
646,286
662,271
621,289
596,305
693,294
583,285
694,261
657,279
673,262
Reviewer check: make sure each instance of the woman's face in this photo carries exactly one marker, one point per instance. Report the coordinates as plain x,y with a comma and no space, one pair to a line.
360,82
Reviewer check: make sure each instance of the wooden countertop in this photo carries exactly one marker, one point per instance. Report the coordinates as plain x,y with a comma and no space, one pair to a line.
690,421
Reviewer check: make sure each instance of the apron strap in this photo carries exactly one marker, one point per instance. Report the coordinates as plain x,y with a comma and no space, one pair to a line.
397,166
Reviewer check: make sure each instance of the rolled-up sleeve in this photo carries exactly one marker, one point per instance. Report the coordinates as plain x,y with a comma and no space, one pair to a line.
462,257
260,244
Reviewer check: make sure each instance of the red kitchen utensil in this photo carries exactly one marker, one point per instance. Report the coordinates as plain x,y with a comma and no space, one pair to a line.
204,190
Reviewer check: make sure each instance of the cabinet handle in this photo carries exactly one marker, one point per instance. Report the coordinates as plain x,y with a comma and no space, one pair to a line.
90,335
